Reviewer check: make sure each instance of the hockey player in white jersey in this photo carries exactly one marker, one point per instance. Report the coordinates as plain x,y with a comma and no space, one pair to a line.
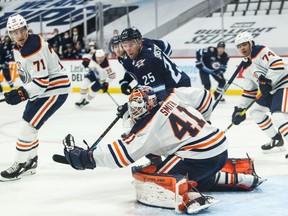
264,71
98,76
169,126
45,87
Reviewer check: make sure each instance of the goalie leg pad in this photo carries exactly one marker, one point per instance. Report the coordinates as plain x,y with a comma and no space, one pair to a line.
168,191
236,182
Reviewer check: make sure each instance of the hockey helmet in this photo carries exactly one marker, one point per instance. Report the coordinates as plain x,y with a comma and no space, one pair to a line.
115,40
100,53
130,34
141,101
15,22
243,37
221,44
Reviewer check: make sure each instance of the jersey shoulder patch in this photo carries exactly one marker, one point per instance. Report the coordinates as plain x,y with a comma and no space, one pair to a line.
32,46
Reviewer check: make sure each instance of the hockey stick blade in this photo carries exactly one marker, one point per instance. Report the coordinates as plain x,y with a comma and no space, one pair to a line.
2,100
60,159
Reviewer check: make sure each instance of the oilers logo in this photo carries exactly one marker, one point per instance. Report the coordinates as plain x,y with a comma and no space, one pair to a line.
24,75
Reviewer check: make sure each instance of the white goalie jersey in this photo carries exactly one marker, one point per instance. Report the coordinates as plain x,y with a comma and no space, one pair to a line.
40,69
168,129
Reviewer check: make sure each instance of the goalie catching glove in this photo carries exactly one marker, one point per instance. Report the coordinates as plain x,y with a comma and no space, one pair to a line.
78,157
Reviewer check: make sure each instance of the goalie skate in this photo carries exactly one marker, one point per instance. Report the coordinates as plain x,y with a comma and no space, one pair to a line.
200,204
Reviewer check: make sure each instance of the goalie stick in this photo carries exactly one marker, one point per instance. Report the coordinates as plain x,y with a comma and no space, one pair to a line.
61,159
2,100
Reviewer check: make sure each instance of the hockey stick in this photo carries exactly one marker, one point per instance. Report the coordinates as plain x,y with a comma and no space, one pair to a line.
112,98
235,84
244,111
61,159
239,68
2,100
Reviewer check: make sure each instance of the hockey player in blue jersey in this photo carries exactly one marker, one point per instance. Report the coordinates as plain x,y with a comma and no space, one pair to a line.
6,55
127,62
212,61
151,66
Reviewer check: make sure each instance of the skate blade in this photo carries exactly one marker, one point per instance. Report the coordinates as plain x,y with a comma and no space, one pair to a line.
274,150
193,210
29,172
2,179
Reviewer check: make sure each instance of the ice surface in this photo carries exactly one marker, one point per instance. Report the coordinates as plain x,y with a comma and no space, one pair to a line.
59,190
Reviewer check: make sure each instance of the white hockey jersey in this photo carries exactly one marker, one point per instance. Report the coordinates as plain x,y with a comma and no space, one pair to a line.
102,70
40,69
167,129
264,62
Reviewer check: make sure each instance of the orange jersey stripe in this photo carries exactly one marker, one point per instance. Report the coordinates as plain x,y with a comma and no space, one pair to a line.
169,164
45,82
59,82
205,104
120,154
206,143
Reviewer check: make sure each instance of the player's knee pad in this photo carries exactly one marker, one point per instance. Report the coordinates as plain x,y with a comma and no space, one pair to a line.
162,190
279,119
96,86
27,138
221,83
85,84
27,132
207,86
258,113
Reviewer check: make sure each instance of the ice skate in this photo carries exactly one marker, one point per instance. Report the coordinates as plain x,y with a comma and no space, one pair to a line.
200,203
275,145
17,170
216,95
82,102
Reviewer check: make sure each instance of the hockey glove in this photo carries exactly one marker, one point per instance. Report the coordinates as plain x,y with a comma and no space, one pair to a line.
121,110
126,89
199,65
105,86
237,116
86,62
16,96
265,85
78,157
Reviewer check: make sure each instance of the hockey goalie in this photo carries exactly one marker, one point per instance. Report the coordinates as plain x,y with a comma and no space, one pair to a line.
194,153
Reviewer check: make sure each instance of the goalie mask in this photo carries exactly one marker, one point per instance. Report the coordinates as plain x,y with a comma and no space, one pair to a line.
141,101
